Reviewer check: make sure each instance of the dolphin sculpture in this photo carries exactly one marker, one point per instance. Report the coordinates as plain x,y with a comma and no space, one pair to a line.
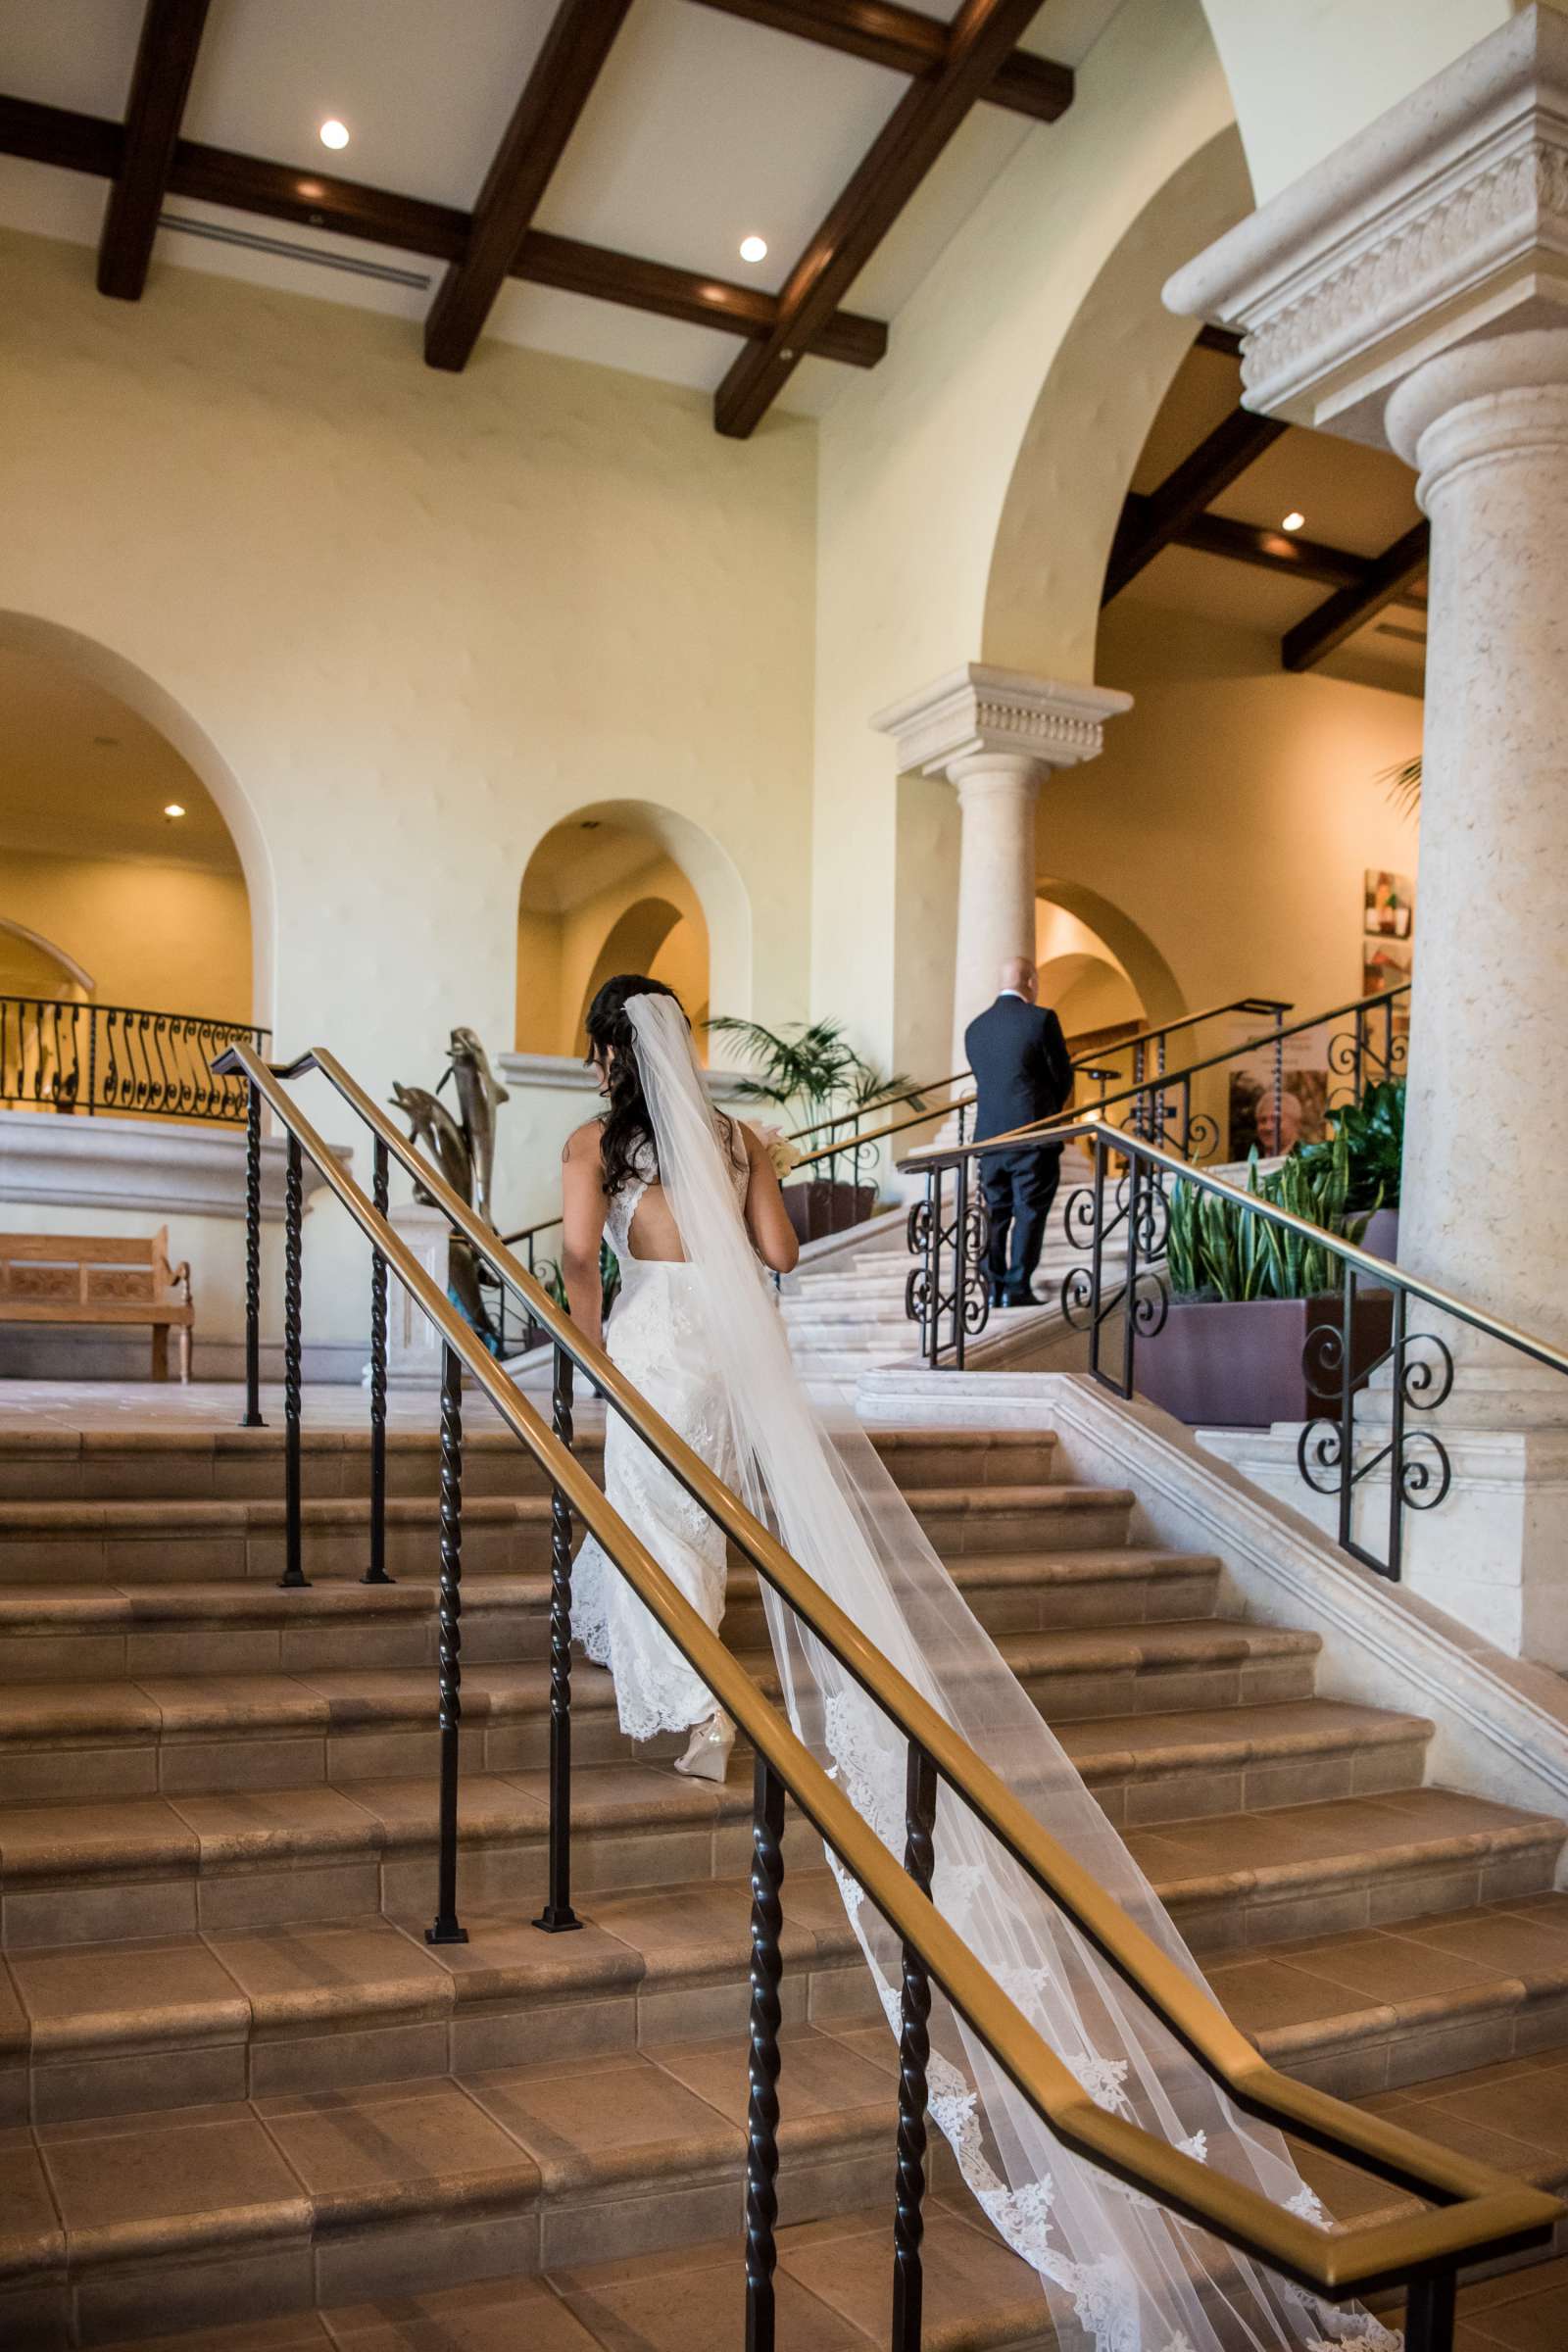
479,1094
434,1130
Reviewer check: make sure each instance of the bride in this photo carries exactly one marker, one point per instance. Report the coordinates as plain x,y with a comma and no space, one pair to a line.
691,1208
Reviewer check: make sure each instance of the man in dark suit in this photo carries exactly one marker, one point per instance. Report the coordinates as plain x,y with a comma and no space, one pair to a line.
1022,1074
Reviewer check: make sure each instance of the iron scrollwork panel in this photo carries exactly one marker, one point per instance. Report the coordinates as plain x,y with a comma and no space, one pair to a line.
1416,1461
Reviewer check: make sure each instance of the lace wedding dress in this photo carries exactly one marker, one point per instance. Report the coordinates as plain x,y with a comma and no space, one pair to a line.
656,1336
705,1342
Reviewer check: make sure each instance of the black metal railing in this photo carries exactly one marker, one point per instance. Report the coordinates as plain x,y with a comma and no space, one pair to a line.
946,1294
1120,1296
1478,2213
59,1055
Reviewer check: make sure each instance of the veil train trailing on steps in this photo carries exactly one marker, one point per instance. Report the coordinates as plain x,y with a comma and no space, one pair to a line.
1119,2273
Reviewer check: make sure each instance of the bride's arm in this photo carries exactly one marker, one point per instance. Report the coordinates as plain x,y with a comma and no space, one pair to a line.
768,1220
582,1215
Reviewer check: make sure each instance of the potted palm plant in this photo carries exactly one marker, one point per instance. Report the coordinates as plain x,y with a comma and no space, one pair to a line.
811,1073
1251,1333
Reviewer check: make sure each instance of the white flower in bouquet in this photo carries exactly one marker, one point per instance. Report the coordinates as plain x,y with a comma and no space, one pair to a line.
781,1153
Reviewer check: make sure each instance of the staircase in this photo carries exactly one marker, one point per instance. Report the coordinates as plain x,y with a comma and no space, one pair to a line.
236,2083
845,1314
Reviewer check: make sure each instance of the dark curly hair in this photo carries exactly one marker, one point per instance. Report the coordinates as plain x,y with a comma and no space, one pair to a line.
626,1145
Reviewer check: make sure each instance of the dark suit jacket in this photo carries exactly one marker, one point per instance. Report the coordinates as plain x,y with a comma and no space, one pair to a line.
1021,1065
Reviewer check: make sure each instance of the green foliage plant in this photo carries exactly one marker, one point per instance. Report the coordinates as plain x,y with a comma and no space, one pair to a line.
1372,1132
810,1069
1219,1250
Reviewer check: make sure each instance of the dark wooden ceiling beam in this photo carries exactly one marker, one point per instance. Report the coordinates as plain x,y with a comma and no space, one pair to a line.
348,207
906,42
1282,552
982,36
581,35
1387,577
165,59
684,294
1162,516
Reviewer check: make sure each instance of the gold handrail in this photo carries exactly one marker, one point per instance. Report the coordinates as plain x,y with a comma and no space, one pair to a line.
1485,2210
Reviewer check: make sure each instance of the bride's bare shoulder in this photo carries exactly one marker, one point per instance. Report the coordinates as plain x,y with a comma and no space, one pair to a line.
582,1144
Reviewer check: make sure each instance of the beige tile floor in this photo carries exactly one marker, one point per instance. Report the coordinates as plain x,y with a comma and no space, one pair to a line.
213,1405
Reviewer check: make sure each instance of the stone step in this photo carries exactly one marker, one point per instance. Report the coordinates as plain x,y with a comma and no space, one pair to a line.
63,1543
201,1732
200,1463
384,2195
247,1625
832,2294
88,2030
961,1520
258,1857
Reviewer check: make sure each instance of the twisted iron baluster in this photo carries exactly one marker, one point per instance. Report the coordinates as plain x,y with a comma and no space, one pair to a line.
445,1929
376,1572
293,1578
252,1416
914,2057
762,2112
557,1914
1429,2314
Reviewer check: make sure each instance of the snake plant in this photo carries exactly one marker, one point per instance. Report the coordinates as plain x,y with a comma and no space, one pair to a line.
1218,1249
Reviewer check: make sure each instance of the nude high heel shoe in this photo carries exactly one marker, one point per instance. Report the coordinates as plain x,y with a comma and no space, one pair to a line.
707,1756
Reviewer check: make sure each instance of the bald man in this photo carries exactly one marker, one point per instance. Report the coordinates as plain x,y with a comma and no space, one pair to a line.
1022,1074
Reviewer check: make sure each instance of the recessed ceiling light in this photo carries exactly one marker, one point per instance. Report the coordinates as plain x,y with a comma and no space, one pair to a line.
173,808
754,249
334,133
1293,521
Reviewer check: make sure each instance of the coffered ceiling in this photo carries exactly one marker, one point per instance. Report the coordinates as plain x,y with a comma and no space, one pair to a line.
572,175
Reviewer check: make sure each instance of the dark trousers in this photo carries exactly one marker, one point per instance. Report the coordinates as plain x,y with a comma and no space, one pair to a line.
1019,1188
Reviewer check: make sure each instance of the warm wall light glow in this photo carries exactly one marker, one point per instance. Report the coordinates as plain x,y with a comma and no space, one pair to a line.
173,809
334,133
1293,520
754,249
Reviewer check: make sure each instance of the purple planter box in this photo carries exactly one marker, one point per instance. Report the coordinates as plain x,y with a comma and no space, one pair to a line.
1237,1364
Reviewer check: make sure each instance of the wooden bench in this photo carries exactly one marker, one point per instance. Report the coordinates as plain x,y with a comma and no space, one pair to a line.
80,1278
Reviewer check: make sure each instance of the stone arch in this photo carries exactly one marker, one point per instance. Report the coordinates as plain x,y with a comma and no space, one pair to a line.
1091,418
653,887
30,633
1126,946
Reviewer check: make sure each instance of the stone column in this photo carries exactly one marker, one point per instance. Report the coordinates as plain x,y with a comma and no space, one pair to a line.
995,734
1413,291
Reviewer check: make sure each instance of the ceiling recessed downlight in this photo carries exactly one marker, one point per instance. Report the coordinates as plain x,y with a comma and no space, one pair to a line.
754,249
334,133
1293,521
173,808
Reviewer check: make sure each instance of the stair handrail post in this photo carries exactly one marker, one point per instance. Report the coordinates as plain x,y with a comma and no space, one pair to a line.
251,1415
293,1578
763,2057
376,1572
446,1928
557,1916
915,2059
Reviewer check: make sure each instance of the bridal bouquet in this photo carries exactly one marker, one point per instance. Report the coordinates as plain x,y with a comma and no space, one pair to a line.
780,1151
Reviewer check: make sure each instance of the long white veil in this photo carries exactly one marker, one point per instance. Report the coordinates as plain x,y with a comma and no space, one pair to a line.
1131,2277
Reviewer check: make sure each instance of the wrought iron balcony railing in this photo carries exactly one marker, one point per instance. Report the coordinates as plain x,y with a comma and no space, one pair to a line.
1477,2214
60,1055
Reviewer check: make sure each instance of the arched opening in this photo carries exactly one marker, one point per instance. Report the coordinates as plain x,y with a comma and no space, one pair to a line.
1083,979
625,886
166,914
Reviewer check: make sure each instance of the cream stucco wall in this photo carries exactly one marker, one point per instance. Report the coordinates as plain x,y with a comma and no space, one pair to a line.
418,618
916,461
168,938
